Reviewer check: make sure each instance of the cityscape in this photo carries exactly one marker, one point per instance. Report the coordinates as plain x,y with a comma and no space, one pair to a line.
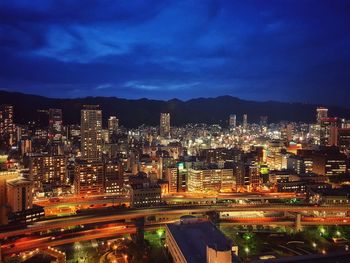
185,131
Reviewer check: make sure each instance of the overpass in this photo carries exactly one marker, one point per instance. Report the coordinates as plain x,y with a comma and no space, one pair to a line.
133,213
42,242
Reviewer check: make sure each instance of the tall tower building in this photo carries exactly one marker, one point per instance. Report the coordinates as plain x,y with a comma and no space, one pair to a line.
232,121
165,125
55,124
113,124
7,129
91,132
245,121
322,113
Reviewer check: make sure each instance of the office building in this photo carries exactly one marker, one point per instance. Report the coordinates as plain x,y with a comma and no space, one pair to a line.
19,194
329,162
47,169
164,125
344,140
91,132
328,131
89,177
55,124
245,121
322,113
195,241
4,208
113,178
145,194
232,122
7,127
210,180
113,125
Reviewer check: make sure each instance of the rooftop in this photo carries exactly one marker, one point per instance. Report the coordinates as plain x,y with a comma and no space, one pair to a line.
193,238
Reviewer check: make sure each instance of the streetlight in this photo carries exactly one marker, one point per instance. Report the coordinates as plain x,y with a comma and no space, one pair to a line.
314,245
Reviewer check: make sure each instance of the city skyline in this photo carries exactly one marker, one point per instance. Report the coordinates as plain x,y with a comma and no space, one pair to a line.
291,51
174,131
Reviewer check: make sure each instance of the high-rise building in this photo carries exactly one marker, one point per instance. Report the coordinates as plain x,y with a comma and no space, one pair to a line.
47,169
19,194
245,121
89,178
7,128
55,124
329,162
113,178
91,132
287,133
232,121
329,131
321,114
344,140
113,125
165,125
4,177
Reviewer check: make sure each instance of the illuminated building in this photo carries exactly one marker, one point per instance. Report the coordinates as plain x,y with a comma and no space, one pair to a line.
113,125
329,163
7,128
26,146
245,121
293,187
296,163
165,125
89,178
191,240
20,200
47,169
329,131
113,178
91,129
344,140
145,194
322,113
19,194
287,133
4,176
274,156
232,122
207,180
171,175
55,124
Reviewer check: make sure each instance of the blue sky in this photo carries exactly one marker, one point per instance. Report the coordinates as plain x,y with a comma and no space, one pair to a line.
260,50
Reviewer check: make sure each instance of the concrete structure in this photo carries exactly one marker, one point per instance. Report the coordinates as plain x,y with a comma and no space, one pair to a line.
55,124
145,195
164,129
232,121
215,180
47,169
197,241
91,132
88,178
19,194
4,209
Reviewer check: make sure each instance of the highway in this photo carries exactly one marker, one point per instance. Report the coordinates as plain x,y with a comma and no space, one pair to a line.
130,213
56,239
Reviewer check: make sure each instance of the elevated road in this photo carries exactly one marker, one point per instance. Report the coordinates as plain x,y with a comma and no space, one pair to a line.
129,213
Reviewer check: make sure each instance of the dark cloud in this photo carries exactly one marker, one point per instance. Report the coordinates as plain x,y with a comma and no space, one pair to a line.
265,50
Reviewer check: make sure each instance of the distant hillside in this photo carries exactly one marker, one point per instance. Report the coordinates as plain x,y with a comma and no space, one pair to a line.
133,113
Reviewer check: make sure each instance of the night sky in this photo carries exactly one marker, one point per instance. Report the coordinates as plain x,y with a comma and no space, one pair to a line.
297,51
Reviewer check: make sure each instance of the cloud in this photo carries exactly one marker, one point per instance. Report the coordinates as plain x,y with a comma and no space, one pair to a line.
162,49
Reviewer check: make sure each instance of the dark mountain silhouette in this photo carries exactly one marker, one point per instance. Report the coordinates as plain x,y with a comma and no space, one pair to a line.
133,113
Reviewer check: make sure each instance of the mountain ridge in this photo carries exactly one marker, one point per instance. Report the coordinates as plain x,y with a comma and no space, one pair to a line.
134,112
